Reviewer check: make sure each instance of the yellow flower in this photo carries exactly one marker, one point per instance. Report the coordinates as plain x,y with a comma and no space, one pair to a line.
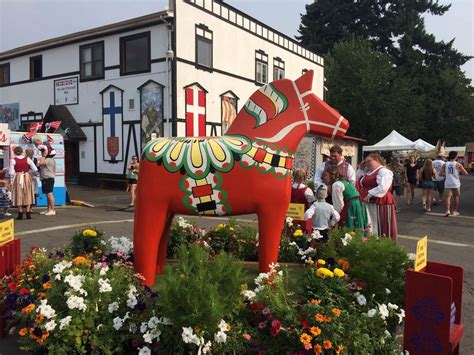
338,272
47,285
298,233
89,233
23,332
321,262
318,349
231,229
336,312
220,226
310,262
78,260
327,344
315,331
339,350
323,272
28,309
305,338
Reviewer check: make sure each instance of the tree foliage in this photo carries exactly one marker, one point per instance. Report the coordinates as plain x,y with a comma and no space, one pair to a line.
421,90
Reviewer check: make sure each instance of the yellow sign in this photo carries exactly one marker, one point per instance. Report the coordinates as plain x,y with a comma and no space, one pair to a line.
296,211
6,232
421,253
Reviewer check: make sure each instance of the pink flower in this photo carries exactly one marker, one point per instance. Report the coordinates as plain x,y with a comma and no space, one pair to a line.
364,239
308,346
266,311
247,336
262,325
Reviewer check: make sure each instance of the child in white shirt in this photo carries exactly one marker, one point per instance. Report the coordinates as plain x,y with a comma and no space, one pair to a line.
324,215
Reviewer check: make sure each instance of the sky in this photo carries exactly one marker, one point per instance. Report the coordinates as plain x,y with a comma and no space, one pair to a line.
27,21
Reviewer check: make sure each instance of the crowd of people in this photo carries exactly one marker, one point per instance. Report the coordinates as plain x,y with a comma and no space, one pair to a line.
369,198
19,187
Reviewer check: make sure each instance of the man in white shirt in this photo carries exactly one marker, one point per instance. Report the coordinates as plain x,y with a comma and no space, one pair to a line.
346,171
438,164
451,170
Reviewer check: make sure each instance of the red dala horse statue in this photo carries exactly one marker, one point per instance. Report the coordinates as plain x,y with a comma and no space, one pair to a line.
248,170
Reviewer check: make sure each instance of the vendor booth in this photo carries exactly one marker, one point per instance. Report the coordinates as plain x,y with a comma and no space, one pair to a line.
9,140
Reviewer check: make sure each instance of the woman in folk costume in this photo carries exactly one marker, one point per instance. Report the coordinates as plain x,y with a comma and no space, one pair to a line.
346,200
300,193
23,194
376,195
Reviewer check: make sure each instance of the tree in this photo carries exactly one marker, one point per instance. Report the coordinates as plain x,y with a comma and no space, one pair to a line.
365,87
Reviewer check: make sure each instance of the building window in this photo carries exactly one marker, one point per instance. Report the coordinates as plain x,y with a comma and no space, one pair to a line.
203,47
92,61
131,104
135,54
261,67
278,69
36,67
4,74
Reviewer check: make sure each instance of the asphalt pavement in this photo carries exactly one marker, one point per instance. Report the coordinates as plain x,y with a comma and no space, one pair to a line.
451,239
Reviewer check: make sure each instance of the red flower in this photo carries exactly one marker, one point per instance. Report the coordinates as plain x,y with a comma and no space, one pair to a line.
255,307
276,327
362,284
304,324
12,286
24,291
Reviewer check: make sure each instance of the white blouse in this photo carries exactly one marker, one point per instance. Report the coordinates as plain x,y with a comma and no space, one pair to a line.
337,196
11,169
384,181
308,194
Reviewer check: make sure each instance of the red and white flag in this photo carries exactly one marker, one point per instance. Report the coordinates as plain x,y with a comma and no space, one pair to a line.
52,126
35,127
195,112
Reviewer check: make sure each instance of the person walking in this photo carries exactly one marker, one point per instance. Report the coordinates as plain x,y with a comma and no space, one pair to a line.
132,177
411,169
346,171
376,195
47,176
23,195
426,178
398,185
438,164
346,201
452,183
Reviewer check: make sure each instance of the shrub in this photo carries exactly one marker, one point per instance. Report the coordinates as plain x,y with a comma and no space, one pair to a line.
87,241
182,232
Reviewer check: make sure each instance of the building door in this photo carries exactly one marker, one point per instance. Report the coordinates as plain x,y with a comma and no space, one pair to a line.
72,161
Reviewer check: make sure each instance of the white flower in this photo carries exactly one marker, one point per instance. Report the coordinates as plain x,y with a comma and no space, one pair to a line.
371,312
75,281
147,337
117,323
189,337
104,286
143,327
206,347
392,306
222,326
347,239
387,291
220,337
361,300
316,235
383,310
153,322
289,221
63,323
49,326
249,295
121,245
75,302
132,328
387,333
46,310
61,266
411,256
113,307
132,302
401,315
144,351
165,321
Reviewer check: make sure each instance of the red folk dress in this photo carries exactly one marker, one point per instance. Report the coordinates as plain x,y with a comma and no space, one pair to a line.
381,207
298,195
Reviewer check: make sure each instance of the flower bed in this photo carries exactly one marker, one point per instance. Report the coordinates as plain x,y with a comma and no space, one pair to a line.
87,298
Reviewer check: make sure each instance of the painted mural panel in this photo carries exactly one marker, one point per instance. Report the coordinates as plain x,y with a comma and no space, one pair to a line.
151,110
305,157
10,113
229,111
195,110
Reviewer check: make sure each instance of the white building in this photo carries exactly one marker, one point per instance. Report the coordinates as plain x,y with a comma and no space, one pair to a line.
182,71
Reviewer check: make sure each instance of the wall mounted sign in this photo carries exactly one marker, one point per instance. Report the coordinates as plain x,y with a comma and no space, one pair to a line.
66,91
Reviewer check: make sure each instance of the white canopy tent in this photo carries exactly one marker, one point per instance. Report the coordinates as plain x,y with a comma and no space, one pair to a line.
394,141
422,146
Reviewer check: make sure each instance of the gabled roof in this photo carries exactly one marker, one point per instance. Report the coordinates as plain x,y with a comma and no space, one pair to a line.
69,126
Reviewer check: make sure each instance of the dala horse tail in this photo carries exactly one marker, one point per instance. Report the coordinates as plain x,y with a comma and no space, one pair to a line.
245,171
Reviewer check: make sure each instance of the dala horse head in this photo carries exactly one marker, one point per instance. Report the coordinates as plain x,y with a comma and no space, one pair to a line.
245,171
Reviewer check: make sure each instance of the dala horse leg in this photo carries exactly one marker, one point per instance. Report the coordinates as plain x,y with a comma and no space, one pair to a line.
163,247
270,225
149,224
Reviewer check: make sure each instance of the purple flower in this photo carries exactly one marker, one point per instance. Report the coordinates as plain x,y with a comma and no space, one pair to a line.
38,332
45,278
